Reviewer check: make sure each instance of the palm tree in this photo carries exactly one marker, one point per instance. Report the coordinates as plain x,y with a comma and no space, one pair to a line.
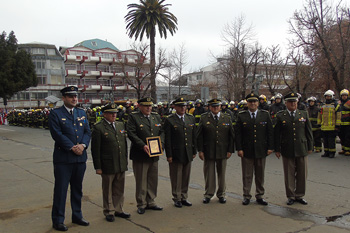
145,18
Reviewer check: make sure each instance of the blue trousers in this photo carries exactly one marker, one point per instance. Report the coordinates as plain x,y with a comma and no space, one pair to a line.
65,174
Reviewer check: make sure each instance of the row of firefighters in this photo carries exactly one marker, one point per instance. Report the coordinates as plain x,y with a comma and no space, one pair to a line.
329,119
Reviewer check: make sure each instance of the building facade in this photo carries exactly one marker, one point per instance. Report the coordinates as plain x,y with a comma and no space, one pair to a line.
104,73
49,67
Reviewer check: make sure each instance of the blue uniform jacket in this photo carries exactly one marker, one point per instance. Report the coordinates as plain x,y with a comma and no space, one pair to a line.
67,131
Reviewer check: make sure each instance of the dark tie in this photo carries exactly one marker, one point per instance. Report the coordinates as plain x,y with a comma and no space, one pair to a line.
292,114
112,125
216,119
253,115
71,112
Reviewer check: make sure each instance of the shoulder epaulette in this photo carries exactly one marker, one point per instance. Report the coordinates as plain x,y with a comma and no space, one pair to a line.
227,114
171,115
243,111
99,122
205,113
154,113
263,110
280,111
134,112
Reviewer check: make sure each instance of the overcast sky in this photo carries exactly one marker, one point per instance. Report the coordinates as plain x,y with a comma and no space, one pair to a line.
200,23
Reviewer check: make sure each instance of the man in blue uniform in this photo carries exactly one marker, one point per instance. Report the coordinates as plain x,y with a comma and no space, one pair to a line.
69,128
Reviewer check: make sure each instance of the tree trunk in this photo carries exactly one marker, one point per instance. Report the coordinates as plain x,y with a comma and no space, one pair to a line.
153,65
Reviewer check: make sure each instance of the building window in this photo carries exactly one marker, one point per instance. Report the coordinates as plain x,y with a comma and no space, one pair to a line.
199,77
42,80
93,43
51,52
38,51
39,64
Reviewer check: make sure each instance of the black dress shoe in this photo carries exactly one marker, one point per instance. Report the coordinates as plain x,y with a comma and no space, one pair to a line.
178,204
140,210
290,201
110,218
301,201
222,200
206,200
246,201
122,215
186,203
325,155
154,207
60,227
261,201
81,222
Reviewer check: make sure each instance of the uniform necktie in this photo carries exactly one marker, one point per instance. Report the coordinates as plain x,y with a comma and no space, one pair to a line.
292,114
71,112
253,115
182,120
112,125
216,119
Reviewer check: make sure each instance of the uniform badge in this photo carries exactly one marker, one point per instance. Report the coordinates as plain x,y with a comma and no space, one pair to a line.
244,123
63,119
302,119
208,123
191,124
283,122
106,133
158,125
263,123
81,124
122,131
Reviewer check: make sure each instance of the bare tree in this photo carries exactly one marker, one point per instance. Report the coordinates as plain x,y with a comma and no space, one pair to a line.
272,67
179,60
135,67
243,55
323,32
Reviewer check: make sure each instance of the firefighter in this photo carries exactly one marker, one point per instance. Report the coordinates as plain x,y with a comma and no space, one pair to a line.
344,132
263,103
313,111
276,107
198,111
329,119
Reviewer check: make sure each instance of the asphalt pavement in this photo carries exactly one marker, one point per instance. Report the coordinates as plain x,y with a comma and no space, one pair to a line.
26,179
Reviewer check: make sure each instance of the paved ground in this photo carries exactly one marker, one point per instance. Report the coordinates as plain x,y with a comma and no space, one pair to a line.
26,179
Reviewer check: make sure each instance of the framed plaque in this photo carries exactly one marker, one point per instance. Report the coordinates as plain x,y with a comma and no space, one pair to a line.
155,146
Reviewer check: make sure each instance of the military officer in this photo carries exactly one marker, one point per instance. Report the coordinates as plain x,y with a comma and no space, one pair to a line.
293,140
141,125
180,147
254,141
110,158
215,138
70,130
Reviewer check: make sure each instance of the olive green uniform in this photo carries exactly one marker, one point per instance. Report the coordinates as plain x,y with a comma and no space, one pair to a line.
293,139
215,140
255,138
109,154
180,145
145,167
